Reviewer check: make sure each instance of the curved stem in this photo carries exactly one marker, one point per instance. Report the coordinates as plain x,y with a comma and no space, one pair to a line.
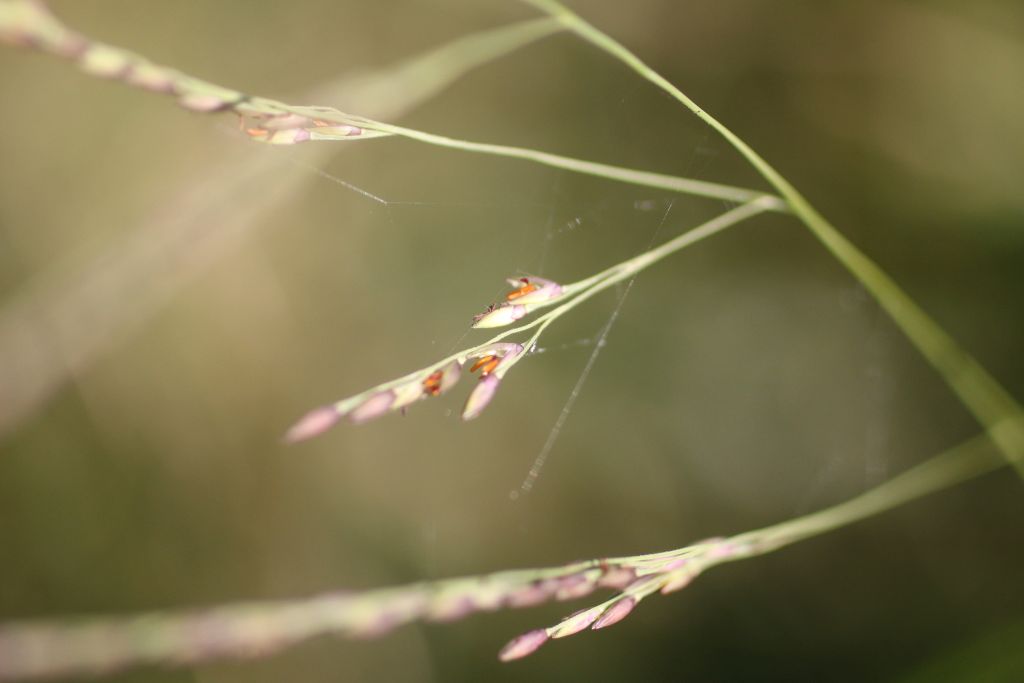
983,396
961,463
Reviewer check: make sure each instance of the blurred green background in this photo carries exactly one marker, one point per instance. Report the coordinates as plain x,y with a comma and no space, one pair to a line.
153,352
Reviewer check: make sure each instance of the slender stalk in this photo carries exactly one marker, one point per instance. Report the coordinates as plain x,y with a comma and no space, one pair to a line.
630,267
966,461
983,396
660,181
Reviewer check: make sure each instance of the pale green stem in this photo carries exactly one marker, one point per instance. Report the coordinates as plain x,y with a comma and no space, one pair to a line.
661,181
983,396
954,466
631,267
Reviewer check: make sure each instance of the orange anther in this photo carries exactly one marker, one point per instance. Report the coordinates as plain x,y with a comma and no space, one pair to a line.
486,365
483,360
523,290
432,384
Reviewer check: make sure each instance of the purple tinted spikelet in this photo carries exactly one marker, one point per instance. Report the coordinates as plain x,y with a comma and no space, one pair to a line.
452,609
523,645
450,376
615,613
617,577
533,594
680,578
313,423
373,407
481,395
577,585
499,316
289,136
529,294
388,397
492,363
575,622
533,290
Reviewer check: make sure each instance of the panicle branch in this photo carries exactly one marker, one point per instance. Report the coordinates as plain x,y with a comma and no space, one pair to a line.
49,648
29,23
495,357
38,649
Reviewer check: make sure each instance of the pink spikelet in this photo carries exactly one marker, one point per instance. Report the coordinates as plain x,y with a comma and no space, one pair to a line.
523,645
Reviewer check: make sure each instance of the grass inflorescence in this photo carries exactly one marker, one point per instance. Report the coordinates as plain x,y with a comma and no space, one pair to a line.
35,649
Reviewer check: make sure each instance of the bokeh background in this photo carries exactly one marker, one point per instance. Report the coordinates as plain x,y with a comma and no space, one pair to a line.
173,296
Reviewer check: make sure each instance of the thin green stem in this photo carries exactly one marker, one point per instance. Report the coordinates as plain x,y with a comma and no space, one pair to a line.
647,258
631,267
661,181
966,461
983,396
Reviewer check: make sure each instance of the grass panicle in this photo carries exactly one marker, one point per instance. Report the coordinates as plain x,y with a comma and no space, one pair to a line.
60,647
49,648
495,357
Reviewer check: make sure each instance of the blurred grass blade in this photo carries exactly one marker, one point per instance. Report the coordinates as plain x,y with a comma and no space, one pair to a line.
57,326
